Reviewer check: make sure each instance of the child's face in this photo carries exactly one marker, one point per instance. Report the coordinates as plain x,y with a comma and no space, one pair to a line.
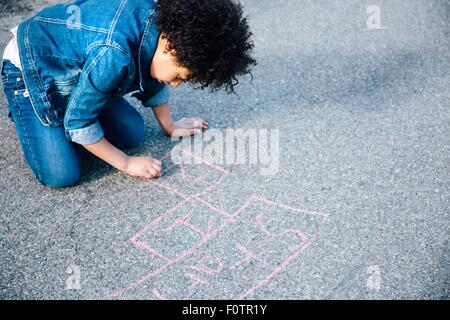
165,67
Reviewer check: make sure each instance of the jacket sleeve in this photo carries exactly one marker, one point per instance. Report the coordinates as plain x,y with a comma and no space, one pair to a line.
105,68
154,95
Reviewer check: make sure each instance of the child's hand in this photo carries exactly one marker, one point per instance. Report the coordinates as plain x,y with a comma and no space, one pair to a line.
144,168
187,127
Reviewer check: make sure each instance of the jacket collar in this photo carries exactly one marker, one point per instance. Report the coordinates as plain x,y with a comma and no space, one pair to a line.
147,49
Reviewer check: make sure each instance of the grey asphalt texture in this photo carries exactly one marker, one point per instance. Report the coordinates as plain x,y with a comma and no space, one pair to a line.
364,122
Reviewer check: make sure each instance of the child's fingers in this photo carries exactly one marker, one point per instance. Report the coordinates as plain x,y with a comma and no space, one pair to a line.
197,122
153,172
157,168
195,131
181,133
145,176
156,165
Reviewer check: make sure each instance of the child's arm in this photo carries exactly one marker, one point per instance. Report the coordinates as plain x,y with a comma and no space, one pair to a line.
146,167
183,127
142,167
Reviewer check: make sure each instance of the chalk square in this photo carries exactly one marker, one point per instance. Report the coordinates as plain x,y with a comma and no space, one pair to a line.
189,175
246,260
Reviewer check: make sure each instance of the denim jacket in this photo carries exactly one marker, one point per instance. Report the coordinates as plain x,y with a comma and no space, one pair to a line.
77,56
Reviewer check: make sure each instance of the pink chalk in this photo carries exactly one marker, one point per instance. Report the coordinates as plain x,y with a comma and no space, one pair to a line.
199,270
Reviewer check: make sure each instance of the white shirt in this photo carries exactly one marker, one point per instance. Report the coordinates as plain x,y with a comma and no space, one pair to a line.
12,50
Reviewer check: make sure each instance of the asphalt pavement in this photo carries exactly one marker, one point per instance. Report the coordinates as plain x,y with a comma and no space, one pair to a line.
356,207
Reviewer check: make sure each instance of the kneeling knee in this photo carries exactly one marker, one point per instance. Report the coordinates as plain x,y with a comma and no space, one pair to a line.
61,180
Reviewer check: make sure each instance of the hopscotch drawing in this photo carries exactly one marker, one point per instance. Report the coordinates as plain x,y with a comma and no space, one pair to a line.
201,251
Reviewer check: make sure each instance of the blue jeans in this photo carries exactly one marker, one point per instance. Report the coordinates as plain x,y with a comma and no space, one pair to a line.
54,160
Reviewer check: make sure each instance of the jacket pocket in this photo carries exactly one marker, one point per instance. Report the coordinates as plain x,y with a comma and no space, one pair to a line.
58,94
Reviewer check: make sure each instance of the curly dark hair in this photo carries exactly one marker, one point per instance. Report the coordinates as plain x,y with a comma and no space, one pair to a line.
211,38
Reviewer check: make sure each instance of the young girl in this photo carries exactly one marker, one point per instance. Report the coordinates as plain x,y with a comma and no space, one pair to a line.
67,68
